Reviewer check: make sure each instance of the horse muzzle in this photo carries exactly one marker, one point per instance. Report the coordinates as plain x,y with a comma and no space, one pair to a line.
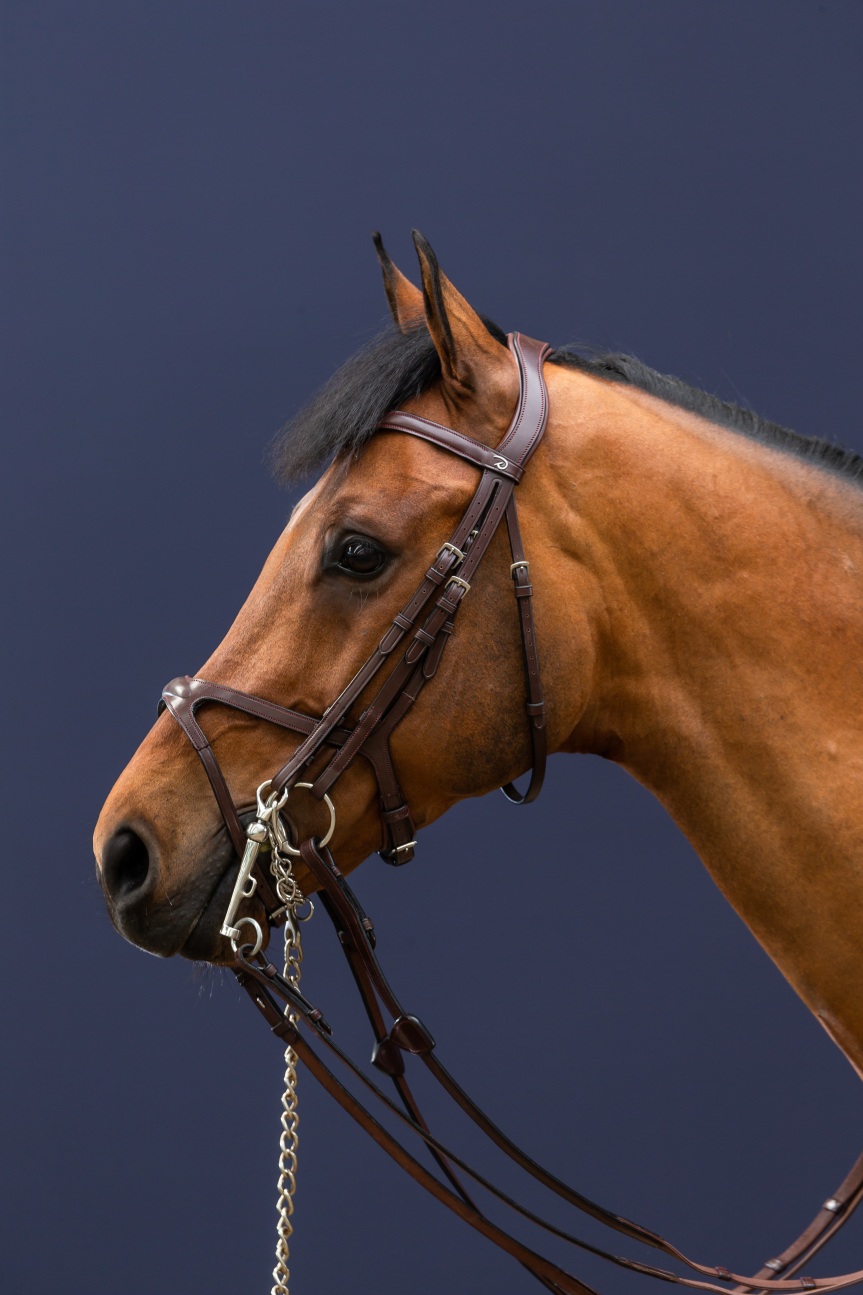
165,919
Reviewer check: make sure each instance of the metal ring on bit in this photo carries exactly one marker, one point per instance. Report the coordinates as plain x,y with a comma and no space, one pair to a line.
259,937
325,840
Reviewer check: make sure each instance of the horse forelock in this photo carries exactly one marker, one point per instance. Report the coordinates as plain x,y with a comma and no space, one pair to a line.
393,368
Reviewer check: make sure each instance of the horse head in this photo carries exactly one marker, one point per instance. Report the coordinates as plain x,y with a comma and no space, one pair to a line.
354,551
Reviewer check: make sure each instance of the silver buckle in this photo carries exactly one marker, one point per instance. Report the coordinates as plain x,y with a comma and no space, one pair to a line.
450,548
515,566
457,580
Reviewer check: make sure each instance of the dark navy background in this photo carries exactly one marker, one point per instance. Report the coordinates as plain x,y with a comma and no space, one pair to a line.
188,191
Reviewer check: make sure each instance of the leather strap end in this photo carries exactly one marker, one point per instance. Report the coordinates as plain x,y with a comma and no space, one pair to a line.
432,661
415,651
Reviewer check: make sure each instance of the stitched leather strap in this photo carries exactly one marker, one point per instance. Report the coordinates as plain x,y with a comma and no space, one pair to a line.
835,1212
528,425
535,705
181,697
259,987
386,1055
521,439
455,442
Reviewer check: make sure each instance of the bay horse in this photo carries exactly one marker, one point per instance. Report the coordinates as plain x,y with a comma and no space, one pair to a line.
697,582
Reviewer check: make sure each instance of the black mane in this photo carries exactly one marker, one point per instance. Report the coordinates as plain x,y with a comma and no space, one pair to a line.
396,366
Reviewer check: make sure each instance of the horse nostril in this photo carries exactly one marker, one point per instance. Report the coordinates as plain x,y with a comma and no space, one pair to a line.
125,864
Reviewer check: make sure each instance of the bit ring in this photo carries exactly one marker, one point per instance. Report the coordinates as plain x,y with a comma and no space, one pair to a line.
325,840
259,937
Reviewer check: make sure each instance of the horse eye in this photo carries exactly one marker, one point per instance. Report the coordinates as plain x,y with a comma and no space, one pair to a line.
362,558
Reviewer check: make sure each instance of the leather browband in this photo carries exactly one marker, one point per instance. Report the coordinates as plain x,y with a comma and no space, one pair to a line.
455,442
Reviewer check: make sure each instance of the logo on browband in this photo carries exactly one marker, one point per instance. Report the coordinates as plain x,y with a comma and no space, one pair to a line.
500,464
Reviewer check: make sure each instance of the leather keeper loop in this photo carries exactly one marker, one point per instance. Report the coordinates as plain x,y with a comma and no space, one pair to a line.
424,637
535,708
524,591
409,1034
403,622
395,815
386,1056
392,637
432,661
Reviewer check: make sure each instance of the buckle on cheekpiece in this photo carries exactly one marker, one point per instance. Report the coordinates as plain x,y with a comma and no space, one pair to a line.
450,548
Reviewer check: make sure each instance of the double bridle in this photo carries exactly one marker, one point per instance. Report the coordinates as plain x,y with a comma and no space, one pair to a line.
426,622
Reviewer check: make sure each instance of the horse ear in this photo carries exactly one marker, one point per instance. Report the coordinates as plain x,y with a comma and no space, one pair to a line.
404,300
474,364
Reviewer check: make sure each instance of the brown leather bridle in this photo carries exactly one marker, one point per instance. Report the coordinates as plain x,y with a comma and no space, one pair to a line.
437,600
449,578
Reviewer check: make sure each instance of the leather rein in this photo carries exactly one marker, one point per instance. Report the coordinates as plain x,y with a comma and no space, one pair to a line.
429,619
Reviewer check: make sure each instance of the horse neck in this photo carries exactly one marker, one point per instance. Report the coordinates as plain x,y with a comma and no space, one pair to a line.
724,581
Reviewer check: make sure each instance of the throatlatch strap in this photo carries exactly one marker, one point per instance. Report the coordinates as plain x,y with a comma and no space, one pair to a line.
520,572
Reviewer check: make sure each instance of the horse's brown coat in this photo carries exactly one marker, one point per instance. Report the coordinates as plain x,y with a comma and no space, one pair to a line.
699,607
